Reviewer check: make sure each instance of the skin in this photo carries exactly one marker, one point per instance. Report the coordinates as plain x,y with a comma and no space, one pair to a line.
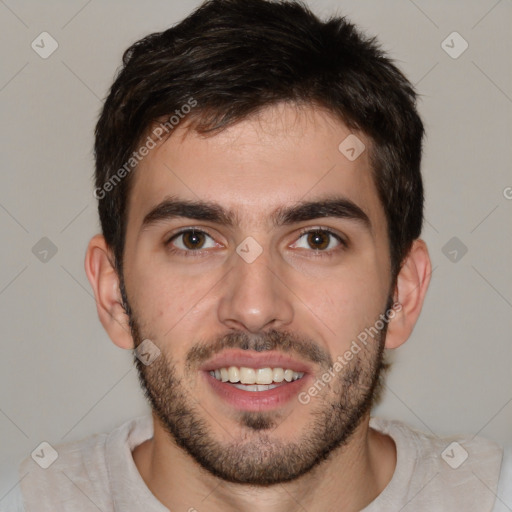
281,156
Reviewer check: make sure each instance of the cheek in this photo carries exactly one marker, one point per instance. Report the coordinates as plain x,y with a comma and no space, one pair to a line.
349,303
169,303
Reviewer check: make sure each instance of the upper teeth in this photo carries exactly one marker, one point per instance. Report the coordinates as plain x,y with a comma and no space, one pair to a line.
255,376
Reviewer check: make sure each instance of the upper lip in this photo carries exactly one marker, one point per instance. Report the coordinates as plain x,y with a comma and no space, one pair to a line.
252,359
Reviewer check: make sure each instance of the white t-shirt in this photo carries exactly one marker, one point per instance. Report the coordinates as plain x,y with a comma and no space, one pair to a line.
432,474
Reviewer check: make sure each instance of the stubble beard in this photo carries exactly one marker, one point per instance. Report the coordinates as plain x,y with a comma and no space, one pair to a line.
258,457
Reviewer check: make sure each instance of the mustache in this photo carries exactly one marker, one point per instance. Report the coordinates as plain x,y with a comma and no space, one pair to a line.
282,341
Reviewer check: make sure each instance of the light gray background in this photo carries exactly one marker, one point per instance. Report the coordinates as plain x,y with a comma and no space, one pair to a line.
62,379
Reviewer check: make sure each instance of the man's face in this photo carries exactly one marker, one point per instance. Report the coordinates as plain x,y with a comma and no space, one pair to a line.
268,296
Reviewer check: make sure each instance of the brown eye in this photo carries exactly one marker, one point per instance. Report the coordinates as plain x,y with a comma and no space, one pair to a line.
191,240
318,239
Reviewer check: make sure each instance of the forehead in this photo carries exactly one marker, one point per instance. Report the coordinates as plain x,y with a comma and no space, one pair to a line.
282,155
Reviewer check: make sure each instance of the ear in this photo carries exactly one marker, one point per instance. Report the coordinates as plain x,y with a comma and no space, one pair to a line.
411,287
105,283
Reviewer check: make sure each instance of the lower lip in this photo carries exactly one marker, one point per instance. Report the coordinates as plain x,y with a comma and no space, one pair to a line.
256,400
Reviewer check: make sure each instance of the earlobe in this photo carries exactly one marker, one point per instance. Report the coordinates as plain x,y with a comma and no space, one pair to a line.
105,283
411,288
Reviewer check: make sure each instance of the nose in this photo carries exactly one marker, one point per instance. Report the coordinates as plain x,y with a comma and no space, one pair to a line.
254,296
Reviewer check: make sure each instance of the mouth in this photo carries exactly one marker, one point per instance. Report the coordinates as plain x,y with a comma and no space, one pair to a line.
255,381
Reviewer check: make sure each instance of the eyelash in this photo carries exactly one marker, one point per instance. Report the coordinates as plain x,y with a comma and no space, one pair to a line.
318,253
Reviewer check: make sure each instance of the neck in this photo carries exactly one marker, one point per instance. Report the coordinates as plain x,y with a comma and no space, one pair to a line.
348,480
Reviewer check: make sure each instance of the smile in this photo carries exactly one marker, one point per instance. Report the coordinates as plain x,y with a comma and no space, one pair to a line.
255,379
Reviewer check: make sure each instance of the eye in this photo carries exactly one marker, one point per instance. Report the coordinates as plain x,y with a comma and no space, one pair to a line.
190,240
320,239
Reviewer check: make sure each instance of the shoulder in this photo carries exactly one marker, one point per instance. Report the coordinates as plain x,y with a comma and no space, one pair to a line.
453,451
51,474
460,472
75,473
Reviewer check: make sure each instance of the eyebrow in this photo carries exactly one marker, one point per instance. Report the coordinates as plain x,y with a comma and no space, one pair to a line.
338,207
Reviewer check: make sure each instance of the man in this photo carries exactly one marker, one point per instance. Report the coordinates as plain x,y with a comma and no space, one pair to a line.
259,189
